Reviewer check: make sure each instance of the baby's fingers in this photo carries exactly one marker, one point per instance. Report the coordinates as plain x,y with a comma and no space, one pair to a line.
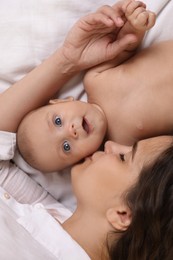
130,6
151,20
144,20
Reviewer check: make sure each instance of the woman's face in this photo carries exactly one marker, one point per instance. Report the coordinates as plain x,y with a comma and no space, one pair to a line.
101,179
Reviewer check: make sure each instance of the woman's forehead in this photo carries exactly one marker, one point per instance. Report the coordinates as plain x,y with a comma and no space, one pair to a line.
159,141
149,149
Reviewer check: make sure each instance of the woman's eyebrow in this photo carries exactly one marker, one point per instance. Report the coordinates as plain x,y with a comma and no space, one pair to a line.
134,149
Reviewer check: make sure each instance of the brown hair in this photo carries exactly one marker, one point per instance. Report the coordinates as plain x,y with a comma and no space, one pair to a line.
150,234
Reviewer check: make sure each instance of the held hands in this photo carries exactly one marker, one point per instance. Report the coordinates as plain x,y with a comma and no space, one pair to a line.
92,40
138,21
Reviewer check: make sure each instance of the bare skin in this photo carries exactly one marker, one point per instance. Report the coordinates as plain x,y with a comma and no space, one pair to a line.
87,44
137,107
135,96
99,183
110,32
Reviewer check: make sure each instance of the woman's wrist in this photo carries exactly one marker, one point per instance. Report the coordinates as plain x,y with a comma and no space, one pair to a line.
64,64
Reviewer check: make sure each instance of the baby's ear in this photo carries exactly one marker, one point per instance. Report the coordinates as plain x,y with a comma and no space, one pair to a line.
57,100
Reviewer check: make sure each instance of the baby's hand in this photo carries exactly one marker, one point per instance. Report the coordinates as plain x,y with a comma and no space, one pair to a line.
137,15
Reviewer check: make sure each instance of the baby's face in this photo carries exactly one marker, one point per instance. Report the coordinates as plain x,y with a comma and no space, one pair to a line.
62,134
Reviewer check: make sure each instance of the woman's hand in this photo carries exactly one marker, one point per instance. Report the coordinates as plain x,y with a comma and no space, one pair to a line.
92,40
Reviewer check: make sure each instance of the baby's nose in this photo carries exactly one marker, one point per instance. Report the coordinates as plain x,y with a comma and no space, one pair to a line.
73,131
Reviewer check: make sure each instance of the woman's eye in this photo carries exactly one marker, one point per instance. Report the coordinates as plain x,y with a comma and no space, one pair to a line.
122,158
58,121
66,146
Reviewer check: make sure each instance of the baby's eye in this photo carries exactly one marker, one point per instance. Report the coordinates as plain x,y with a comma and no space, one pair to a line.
58,121
66,146
122,158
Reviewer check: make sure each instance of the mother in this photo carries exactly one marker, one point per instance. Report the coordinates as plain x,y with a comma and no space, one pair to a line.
124,201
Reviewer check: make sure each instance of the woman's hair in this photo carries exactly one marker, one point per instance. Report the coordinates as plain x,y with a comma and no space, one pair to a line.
150,234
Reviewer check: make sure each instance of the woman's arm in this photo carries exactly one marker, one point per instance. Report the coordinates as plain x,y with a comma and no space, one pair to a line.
88,43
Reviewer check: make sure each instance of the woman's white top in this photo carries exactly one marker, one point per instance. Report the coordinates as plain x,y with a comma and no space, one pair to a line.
30,231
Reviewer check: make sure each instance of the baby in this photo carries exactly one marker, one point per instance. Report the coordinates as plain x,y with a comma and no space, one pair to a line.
138,93
60,134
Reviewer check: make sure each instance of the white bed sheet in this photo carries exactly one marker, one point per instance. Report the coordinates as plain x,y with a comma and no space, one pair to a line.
29,32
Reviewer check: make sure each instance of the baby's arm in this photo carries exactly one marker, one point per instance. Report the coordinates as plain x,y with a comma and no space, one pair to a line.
87,44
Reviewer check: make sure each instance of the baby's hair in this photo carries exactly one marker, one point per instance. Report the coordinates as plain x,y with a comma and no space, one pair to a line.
25,147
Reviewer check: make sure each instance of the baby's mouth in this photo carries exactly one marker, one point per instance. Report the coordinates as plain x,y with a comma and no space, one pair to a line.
86,126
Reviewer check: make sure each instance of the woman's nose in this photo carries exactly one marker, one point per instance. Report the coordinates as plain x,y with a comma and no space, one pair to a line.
112,147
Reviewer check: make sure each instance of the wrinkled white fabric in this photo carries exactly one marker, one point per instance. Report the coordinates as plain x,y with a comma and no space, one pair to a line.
42,229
